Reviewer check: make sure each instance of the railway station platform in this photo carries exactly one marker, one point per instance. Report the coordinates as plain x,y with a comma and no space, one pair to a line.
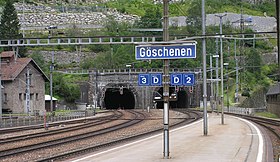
237,140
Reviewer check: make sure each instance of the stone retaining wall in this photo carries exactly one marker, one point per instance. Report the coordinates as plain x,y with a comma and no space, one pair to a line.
38,15
65,57
274,108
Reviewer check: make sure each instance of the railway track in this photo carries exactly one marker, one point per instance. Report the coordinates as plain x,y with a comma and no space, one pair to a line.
191,117
53,124
79,125
40,144
272,128
125,128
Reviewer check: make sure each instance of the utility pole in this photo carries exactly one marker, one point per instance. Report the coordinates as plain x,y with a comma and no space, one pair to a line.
212,86
227,77
236,67
278,35
242,48
51,82
95,91
1,89
205,123
222,67
23,15
217,74
27,94
165,84
51,72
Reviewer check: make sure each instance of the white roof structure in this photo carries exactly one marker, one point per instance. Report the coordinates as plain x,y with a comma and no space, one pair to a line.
48,98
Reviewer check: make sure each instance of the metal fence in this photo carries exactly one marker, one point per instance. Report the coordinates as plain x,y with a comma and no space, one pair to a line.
17,121
245,111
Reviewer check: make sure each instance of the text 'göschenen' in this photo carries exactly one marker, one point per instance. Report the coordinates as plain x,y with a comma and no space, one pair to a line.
166,52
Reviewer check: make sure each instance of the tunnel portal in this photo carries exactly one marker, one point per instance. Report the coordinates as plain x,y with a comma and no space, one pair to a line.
116,98
178,98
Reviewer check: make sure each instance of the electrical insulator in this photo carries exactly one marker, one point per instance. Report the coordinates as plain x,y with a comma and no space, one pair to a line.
121,90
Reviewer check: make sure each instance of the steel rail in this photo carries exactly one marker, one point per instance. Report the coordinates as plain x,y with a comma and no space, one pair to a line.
94,122
66,155
65,140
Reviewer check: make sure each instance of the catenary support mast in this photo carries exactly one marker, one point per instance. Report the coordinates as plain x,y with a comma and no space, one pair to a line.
165,84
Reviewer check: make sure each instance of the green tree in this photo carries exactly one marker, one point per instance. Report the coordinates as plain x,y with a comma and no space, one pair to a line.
65,87
194,19
151,19
9,28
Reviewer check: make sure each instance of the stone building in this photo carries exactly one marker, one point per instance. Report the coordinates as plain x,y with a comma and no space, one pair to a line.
23,85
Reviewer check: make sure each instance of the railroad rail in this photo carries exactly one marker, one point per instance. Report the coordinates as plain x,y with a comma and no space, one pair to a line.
83,124
192,117
43,144
41,148
50,124
272,126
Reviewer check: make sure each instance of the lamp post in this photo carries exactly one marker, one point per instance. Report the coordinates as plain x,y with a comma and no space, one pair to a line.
222,66
226,65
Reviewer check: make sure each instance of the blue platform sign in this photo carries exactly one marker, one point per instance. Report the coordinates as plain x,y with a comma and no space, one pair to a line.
188,79
182,51
156,79
176,79
144,79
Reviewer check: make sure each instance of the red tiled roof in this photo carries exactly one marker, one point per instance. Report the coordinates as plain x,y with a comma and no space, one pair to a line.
7,54
10,70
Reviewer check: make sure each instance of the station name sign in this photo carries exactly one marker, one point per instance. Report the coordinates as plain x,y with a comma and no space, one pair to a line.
147,52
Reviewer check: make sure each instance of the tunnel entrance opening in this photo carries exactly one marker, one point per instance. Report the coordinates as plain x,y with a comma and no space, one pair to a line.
178,99
119,98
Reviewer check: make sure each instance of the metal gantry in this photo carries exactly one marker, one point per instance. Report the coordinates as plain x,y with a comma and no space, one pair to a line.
53,41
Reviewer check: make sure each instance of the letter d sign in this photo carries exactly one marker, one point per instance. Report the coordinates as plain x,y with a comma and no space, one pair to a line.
176,79
156,79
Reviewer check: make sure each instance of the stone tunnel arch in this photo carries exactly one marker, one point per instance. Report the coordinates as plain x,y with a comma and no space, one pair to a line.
117,96
181,100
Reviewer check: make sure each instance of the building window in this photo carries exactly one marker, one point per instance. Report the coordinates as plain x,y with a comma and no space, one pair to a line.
5,97
37,96
31,96
20,96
